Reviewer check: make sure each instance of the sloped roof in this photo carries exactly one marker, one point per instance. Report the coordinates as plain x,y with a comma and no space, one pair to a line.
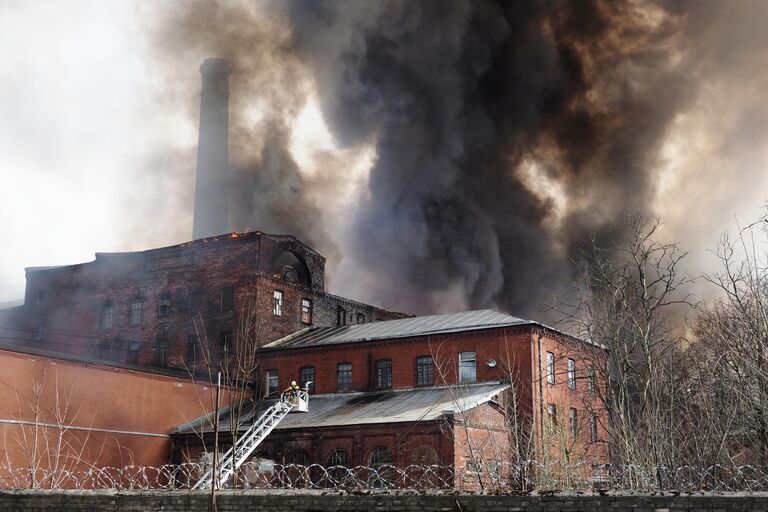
341,409
402,328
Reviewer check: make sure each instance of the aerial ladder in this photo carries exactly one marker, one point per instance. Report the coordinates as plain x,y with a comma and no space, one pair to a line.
290,400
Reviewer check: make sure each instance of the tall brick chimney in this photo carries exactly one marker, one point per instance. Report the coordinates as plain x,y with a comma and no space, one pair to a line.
212,182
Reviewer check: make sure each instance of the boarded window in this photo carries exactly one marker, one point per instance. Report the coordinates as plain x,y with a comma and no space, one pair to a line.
306,311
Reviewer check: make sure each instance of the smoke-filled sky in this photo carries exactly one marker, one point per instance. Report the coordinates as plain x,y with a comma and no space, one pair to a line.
442,154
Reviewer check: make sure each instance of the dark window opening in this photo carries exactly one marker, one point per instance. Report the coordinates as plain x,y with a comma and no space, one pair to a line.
424,367
225,344
341,316
338,457
192,348
306,311
273,382
360,318
344,377
300,458
106,317
227,299
135,315
133,353
307,374
162,351
380,456
384,374
164,308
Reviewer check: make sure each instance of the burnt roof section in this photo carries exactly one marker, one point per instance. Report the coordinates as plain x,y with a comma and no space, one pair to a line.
403,328
341,409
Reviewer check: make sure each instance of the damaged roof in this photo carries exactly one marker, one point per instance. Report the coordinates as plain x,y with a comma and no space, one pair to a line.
341,409
402,328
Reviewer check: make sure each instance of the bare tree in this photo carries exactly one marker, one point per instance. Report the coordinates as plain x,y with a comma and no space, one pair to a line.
627,296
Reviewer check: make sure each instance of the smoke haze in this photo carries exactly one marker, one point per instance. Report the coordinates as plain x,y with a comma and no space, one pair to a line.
450,155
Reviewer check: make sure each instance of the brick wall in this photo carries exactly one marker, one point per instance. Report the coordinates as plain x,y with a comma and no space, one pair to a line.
258,501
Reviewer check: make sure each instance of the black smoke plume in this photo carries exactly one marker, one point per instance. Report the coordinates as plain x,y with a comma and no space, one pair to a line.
504,132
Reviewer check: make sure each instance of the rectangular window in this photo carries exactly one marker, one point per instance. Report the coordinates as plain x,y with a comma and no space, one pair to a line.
306,311
227,299
591,379
573,422
360,318
161,351
341,316
277,303
273,382
164,308
467,367
384,374
424,371
571,374
550,368
344,377
593,428
225,344
106,317
133,353
551,417
192,348
135,315
307,374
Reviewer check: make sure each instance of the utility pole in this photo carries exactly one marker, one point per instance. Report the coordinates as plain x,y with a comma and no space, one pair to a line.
214,471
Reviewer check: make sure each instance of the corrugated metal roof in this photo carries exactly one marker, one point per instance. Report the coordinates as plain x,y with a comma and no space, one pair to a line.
395,406
403,328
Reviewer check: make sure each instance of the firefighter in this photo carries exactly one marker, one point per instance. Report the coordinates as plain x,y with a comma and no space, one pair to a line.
292,391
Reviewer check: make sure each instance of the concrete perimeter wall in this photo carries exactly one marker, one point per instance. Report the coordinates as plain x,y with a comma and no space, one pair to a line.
257,501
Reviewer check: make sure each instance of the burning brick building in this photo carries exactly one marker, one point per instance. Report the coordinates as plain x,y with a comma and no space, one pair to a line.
387,388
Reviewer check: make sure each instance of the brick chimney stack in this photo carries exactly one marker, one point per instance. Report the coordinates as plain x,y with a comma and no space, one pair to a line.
212,183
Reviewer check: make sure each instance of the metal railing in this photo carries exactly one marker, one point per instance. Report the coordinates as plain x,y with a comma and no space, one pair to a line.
496,477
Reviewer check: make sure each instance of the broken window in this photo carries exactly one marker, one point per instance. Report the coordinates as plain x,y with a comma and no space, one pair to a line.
550,368
307,374
571,374
277,303
306,311
273,382
467,367
384,374
135,314
164,308
227,299
161,351
344,377
424,371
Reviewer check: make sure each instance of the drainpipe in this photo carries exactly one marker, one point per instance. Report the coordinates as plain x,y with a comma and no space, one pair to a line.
541,396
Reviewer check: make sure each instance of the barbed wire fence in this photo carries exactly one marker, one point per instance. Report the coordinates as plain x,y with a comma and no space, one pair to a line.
496,477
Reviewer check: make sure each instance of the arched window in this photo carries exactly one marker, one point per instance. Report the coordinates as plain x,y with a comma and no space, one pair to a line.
380,456
338,457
